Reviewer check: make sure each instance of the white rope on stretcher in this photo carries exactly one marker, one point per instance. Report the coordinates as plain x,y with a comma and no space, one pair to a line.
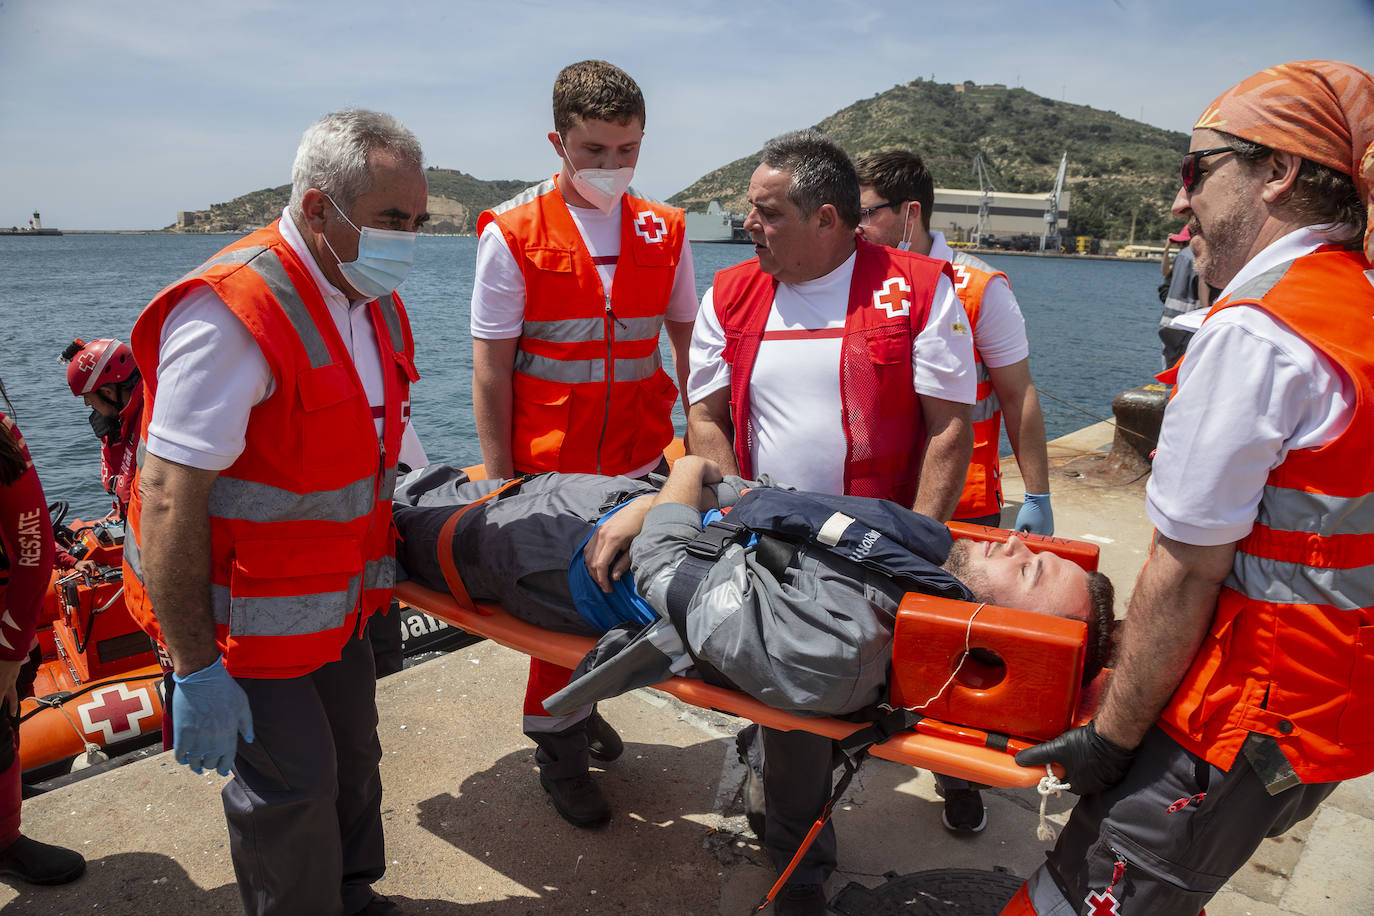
1050,784
968,647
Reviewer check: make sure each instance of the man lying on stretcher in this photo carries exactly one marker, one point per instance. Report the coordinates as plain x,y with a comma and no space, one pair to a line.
800,627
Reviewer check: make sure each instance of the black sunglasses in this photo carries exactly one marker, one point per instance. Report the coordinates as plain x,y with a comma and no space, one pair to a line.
866,212
1188,170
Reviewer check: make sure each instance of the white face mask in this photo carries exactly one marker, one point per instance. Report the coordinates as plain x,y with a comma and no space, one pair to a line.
602,188
905,243
384,258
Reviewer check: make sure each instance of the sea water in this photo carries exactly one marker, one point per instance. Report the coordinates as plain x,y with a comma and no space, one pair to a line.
1091,326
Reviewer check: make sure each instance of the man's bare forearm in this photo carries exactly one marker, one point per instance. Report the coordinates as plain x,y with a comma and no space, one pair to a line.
493,402
1025,424
944,467
1173,605
710,433
174,545
687,484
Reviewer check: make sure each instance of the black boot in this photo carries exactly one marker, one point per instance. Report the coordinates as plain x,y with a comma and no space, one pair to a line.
563,759
41,863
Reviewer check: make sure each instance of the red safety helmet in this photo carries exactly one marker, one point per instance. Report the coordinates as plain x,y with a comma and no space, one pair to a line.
100,362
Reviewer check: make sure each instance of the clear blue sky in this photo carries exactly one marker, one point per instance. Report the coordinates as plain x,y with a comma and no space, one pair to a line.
118,113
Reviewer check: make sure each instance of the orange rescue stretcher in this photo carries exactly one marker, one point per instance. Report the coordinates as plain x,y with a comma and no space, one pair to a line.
983,713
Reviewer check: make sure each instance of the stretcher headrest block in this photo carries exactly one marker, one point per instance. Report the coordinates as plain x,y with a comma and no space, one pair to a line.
1025,680
1080,552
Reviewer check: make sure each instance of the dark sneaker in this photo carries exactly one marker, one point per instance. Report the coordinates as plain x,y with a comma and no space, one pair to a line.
964,811
578,800
603,743
41,863
801,900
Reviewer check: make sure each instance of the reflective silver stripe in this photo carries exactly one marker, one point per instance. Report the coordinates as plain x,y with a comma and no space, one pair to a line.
380,573
981,373
1279,582
388,488
1316,513
250,501
132,556
968,260
391,315
525,196
985,408
579,330
141,453
1259,287
264,262
289,615
582,371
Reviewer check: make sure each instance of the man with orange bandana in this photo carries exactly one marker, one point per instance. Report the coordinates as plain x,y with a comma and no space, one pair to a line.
260,540
575,278
1242,694
896,197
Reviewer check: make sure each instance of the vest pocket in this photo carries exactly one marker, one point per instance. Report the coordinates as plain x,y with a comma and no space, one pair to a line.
655,398
541,413
1354,727
555,260
293,587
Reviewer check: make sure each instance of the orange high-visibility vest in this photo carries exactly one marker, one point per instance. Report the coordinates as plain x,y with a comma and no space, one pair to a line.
890,296
590,393
1290,650
300,524
983,487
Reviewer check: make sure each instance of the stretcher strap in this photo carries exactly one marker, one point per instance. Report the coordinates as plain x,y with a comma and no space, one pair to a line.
444,548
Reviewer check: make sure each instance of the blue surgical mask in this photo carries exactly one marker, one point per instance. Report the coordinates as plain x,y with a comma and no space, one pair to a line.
384,258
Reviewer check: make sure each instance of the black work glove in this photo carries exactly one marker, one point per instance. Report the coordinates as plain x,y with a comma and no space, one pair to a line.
1091,763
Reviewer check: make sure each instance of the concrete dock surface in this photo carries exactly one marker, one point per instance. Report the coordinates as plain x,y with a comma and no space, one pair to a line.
469,831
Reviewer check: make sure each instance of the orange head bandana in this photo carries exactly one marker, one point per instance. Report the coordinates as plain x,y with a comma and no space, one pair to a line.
1322,110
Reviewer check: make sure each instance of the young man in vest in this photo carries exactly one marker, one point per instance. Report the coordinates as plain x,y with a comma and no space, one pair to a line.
834,365
575,277
277,381
1241,695
896,198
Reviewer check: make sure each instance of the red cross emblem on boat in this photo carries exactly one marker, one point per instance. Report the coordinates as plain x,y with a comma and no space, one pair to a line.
892,298
1102,904
115,712
650,226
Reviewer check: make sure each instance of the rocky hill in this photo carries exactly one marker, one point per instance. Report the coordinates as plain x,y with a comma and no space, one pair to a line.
1119,169
455,200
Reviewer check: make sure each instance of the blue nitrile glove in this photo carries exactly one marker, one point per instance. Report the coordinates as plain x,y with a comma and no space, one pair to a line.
1036,516
210,710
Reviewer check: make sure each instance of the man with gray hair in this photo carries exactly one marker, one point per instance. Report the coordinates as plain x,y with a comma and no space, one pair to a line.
837,366
277,382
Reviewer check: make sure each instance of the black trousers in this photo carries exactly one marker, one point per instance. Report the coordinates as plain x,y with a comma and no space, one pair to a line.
798,769
304,806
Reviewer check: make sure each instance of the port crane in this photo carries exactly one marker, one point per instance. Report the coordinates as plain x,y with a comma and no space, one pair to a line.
980,170
1050,240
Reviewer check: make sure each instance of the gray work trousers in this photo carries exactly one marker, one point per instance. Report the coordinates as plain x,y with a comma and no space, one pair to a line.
304,806
798,769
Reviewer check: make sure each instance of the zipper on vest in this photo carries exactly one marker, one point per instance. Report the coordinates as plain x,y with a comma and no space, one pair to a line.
608,325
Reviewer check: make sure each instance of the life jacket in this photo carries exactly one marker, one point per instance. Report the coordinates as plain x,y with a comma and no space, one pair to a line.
300,524
1290,650
590,393
890,297
983,487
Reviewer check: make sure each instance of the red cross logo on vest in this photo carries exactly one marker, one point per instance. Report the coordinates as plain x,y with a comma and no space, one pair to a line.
961,276
115,712
1102,904
892,298
650,226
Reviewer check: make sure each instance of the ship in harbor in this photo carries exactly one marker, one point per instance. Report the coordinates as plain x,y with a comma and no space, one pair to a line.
35,227
716,225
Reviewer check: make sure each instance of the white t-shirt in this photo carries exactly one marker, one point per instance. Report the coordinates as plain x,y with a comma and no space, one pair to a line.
498,290
794,392
211,373
1000,334
1250,391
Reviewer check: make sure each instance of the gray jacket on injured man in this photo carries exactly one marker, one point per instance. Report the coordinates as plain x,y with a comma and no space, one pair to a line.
802,630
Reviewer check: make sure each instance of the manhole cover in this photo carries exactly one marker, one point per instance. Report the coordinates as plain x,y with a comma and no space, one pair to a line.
962,891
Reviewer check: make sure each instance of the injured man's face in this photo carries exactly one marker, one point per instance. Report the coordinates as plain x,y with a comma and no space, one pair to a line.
1012,575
